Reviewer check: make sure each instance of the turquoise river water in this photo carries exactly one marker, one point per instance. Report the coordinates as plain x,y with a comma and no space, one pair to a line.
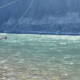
39,57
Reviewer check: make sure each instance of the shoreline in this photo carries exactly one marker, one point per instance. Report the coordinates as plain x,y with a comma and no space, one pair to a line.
43,33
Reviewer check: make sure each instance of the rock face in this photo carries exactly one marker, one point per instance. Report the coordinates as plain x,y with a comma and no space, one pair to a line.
44,16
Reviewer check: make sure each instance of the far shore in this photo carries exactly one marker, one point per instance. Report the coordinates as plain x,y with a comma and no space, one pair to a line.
42,33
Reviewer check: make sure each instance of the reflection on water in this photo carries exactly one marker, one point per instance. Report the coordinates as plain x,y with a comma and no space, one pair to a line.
39,57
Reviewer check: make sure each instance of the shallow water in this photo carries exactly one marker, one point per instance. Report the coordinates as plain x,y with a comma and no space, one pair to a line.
39,57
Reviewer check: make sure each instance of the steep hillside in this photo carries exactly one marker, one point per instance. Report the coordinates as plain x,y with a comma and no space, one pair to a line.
44,16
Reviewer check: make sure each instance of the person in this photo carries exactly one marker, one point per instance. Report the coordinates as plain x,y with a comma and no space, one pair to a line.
5,37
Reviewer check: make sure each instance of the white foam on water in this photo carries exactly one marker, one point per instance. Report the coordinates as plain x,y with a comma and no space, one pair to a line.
3,61
68,62
50,48
6,67
54,41
66,74
63,43
67,56
53,57
59,50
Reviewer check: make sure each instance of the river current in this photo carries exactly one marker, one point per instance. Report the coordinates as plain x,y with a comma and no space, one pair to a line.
39,57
